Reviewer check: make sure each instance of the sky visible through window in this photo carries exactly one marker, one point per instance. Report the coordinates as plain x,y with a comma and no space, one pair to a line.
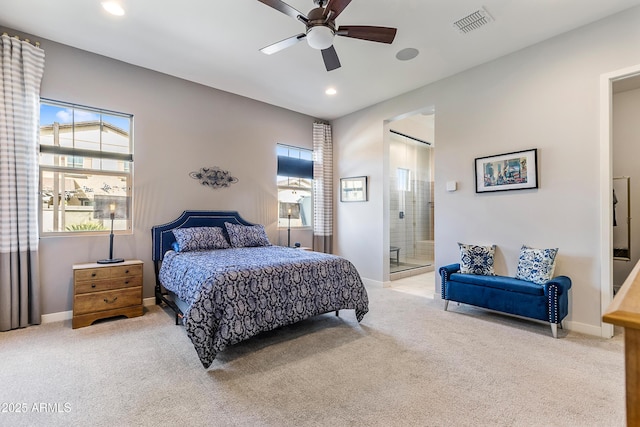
54,113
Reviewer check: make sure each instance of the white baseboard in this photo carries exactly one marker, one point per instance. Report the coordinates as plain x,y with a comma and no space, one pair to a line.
67,315
56,317
370,282
583,328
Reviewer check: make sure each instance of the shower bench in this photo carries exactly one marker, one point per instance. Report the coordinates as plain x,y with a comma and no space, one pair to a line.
395,249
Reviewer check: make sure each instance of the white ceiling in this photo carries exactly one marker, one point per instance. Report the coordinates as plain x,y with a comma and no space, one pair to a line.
216,43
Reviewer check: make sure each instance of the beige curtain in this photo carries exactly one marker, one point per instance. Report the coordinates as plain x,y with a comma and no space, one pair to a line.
21,69
322,188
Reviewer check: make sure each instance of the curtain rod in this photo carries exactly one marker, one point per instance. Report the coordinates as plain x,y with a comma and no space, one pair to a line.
409,136
36,43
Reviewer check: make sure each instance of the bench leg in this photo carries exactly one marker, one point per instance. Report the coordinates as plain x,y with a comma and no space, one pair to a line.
554,329
446,304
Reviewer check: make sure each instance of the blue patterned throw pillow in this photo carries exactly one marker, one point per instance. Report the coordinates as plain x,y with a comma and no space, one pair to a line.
536,265
476,259
246,236
199,238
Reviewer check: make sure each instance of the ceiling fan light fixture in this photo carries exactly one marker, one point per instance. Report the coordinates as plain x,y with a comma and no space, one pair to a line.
321,28
320,37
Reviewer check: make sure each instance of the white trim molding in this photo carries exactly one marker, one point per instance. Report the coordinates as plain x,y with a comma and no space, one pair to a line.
56,317
606,189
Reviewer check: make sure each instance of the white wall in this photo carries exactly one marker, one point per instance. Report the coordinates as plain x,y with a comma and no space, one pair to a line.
179,127
626,152
419,125
544,97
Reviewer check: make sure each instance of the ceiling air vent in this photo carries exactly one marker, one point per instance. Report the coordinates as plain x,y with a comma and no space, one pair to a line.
473,21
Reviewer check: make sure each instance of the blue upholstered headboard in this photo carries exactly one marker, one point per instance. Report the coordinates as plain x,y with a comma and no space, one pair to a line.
162,236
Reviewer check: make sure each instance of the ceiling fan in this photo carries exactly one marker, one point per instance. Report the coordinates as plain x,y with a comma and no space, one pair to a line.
321,29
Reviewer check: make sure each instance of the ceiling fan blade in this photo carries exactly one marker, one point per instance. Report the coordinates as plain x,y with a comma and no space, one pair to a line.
282,44
335,8
330,57
285,8
363,32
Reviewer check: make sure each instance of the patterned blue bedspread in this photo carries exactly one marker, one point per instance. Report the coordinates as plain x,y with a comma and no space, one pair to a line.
234,294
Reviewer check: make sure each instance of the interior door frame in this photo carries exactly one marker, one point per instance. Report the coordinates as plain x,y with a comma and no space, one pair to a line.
387,123
606,188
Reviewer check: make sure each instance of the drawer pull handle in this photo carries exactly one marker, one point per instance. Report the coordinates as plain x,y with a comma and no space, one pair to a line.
126,282
93,285
93,274
126,272
112,301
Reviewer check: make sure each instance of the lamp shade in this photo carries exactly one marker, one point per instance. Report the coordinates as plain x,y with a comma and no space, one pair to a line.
320,37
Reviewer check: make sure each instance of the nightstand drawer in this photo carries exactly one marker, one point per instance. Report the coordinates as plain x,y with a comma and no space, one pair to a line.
105,285
92,274
107,300
126,271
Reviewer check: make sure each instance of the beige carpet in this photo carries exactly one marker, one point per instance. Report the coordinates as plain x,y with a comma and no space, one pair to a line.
408,363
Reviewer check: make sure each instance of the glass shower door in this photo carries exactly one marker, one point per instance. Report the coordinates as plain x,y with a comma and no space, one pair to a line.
411,204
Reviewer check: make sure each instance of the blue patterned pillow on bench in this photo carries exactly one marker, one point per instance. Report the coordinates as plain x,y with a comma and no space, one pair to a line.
536,265
476,259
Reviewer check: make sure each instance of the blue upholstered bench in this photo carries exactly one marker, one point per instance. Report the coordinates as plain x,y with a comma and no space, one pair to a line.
547,302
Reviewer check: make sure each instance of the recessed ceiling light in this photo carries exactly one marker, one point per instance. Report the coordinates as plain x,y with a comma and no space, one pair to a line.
407,54
331,91
113,8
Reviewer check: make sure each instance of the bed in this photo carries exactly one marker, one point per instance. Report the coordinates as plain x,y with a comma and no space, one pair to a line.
227,292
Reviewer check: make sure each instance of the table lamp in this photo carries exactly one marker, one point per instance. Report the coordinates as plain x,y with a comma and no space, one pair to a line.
289,230
111,259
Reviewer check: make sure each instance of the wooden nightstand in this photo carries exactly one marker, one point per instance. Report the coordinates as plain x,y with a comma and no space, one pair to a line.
106,290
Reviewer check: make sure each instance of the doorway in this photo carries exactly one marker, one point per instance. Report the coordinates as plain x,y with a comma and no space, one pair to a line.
611,83
625,131
411,201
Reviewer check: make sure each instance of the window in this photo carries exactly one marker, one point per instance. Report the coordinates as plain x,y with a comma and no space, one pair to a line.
86,164
404,179
295,180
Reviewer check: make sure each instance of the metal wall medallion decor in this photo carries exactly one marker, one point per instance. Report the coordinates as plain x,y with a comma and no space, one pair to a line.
214,177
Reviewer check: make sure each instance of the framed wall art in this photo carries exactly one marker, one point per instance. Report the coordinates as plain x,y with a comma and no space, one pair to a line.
353,189
509,171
